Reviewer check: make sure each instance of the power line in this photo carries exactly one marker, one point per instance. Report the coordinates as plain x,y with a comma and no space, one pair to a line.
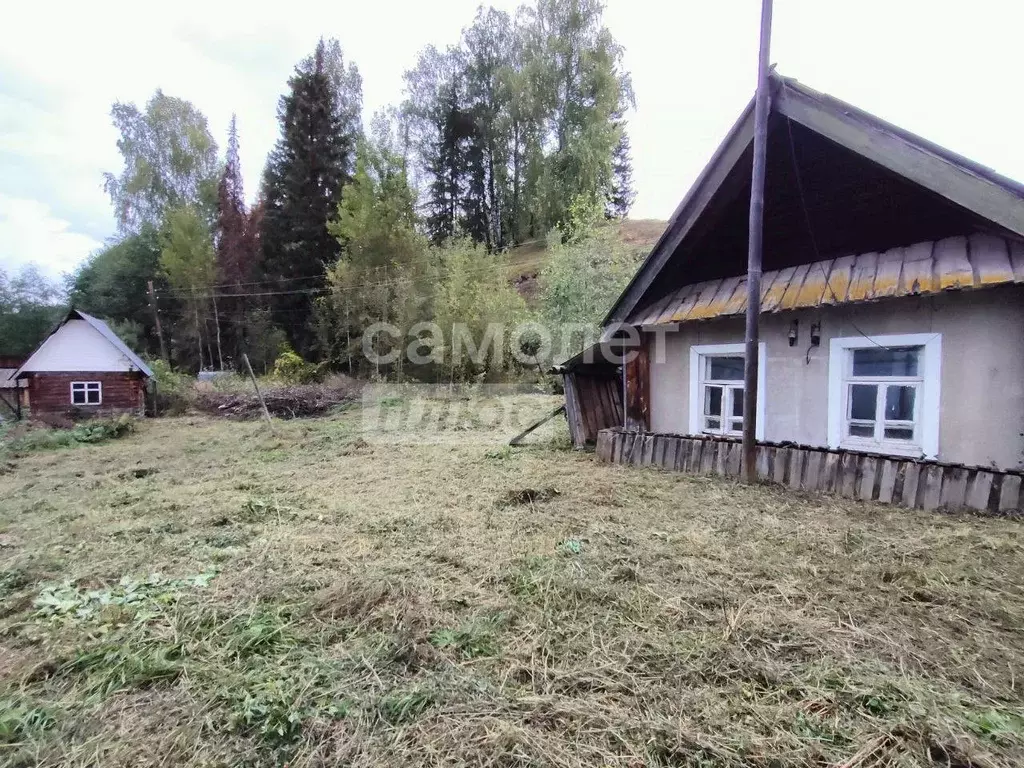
810,232
481,269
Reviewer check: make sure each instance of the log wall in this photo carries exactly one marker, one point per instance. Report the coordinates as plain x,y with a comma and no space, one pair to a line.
905,482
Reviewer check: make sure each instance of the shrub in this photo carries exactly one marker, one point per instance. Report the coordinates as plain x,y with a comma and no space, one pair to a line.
175,391
292,369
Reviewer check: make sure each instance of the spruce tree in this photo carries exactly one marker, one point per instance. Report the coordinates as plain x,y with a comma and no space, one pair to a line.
233,261
621,193
302,185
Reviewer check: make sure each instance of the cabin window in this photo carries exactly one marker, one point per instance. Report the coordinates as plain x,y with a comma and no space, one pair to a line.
717,402
884,394
86,393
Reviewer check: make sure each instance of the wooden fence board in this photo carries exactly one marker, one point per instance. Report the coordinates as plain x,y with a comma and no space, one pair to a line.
794,468
887,479
734,461
779,470
954,488
979,488
847,481
762,462
911,481
812,470
887,483
931,479
829,473
866,483
1009,495
648,450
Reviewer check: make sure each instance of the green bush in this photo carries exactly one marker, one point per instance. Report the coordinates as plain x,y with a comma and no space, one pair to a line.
175,391
292,369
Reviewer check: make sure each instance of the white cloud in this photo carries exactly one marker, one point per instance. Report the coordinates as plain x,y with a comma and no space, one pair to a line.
29,232
940,68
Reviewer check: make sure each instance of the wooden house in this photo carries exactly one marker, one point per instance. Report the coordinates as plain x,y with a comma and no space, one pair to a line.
83,369
891,346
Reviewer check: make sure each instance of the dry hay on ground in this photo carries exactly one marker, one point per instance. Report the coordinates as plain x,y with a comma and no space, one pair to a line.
419,602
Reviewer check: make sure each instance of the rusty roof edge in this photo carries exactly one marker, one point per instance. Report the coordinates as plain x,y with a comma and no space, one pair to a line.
981,280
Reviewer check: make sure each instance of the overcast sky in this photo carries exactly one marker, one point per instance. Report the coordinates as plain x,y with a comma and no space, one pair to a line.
950,71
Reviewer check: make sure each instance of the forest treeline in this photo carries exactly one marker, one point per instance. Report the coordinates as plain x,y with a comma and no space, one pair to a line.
515,134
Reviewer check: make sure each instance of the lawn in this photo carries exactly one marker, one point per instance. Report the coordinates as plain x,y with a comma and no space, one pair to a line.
207,592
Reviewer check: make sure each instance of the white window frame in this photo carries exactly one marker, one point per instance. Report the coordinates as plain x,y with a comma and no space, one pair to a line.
926,404
86,386
697,355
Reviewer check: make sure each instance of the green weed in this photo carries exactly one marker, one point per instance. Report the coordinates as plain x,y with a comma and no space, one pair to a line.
470,641
142,599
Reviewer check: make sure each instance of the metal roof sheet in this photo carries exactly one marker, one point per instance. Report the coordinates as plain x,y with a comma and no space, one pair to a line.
955,263
104,331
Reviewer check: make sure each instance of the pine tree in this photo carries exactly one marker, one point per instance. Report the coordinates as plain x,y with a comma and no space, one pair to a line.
302,186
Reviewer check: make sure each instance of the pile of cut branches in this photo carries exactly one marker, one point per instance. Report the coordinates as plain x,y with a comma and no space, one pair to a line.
286,402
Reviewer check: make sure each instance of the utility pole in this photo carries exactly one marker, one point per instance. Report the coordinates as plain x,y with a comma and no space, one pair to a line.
156,317
756,233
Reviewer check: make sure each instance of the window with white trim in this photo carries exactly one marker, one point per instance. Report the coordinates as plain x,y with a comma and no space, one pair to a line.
717,404
86,393
883,394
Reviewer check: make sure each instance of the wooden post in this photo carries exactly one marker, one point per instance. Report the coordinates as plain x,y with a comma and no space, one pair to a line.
252,377
756,233
156,318
216,322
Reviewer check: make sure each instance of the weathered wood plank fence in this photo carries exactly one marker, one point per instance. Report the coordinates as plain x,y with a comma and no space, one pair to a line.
870,477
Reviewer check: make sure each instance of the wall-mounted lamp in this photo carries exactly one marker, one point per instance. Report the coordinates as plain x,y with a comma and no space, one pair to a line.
816,334
794,332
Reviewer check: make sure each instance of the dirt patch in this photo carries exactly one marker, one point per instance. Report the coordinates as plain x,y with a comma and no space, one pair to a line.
284,402
529,496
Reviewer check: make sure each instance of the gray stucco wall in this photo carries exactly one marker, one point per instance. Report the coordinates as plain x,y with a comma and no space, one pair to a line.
982,391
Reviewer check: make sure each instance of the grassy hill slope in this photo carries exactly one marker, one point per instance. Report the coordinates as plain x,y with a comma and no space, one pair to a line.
527,260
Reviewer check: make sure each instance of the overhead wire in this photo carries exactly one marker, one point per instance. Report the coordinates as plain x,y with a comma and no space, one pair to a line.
482,269
810,233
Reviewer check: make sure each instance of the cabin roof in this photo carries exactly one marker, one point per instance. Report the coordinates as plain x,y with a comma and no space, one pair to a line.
839,181
104,330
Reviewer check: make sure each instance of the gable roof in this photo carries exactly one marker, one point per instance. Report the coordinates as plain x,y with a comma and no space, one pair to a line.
940,172
104,331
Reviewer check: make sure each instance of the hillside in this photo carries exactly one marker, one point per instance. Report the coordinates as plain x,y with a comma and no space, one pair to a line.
528,260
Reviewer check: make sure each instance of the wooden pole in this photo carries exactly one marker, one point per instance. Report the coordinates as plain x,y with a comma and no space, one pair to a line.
252,377
156,318
216,323
756,233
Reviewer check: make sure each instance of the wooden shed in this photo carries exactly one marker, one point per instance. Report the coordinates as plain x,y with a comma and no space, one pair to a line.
83,369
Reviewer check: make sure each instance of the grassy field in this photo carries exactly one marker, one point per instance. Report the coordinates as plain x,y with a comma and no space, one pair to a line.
204,592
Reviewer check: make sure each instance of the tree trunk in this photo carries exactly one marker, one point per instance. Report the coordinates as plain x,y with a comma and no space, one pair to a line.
199,330
216,322
515,184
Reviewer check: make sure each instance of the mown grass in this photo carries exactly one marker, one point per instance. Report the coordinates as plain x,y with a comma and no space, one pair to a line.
328,595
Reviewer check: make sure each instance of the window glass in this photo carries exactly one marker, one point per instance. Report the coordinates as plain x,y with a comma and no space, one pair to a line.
85,393
725,369
713,401
737,402
899,433
862,430
899,403
863,398
886,361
